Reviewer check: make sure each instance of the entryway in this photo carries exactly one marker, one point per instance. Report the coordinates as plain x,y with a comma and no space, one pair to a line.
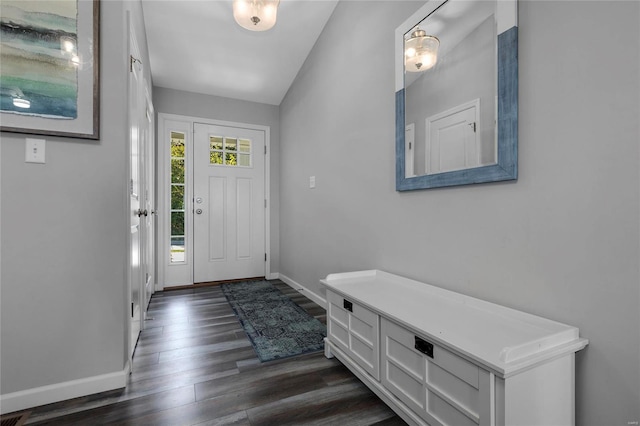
212,184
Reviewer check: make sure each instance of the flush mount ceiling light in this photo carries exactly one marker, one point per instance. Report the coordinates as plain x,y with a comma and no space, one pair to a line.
255,15
420,51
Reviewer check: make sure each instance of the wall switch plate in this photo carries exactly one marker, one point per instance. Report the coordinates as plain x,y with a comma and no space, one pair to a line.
34,151
312,182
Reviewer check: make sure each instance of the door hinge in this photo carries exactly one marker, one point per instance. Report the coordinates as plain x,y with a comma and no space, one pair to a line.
473,125
132,61
265,150
409,145
265,203
265,257
131,309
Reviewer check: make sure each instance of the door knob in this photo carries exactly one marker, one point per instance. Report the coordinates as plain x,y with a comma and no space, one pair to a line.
198,211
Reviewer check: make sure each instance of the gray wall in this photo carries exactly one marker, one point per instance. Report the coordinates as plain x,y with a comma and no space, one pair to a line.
64,228
170,101
561,242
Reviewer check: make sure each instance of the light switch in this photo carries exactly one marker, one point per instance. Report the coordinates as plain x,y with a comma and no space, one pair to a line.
312,181
34,152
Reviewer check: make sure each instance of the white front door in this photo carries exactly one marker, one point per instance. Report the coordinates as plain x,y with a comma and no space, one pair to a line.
228,203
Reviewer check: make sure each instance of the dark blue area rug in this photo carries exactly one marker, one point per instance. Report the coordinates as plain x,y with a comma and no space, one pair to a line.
277,327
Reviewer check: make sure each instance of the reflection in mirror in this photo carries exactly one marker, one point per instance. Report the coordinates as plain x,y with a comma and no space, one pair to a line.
452,104
447,124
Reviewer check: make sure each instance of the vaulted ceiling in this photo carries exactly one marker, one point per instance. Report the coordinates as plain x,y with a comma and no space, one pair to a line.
196,46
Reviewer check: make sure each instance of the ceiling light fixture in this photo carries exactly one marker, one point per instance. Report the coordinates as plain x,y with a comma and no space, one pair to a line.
255,15
420,51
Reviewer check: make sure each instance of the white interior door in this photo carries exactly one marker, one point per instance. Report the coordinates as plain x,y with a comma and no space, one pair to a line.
136,194
228,203
149,200
453,141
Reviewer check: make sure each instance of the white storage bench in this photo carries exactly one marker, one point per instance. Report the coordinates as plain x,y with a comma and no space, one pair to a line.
437,357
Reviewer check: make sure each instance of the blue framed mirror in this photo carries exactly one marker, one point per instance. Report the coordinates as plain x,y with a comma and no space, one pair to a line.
456,66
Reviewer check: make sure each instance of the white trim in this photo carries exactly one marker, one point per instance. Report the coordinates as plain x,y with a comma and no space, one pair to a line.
163,201
62,391
506,15
304,290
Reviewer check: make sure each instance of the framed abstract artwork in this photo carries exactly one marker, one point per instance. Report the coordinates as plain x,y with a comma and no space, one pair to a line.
49,67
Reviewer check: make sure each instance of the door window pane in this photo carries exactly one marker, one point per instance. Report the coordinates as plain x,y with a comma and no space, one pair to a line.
215,157
177,170
177,145
245,145
177,249
177,224
231,144
215,143
244,160
177,197
230,159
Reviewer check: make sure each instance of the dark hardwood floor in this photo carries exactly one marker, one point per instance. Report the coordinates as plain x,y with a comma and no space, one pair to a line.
195,366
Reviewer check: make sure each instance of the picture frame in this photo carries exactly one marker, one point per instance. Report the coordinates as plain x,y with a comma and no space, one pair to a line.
65,95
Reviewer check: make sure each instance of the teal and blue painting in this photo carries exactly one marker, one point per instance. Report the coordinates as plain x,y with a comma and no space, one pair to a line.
39,58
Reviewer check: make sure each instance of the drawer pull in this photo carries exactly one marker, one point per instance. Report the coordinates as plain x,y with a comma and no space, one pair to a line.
424,347
347,305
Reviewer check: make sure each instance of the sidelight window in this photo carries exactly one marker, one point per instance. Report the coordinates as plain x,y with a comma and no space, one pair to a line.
177,196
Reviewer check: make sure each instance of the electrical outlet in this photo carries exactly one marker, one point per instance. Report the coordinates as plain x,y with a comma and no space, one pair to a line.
34,151
312,182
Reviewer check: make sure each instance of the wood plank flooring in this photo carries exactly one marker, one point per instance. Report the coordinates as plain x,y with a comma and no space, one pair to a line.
194,365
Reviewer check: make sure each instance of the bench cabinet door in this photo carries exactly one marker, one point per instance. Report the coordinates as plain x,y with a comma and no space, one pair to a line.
438,385
356,330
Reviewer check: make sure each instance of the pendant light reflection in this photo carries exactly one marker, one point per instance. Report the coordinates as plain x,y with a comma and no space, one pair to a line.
69,50
255,15
420,51
17,97
21,103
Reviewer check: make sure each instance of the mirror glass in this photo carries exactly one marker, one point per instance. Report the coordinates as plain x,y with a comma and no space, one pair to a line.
453,95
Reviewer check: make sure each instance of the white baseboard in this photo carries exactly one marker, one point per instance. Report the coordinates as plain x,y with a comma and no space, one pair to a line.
273,276
304,290
35,397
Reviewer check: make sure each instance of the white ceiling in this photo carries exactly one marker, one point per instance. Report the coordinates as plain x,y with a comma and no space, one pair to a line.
196,46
